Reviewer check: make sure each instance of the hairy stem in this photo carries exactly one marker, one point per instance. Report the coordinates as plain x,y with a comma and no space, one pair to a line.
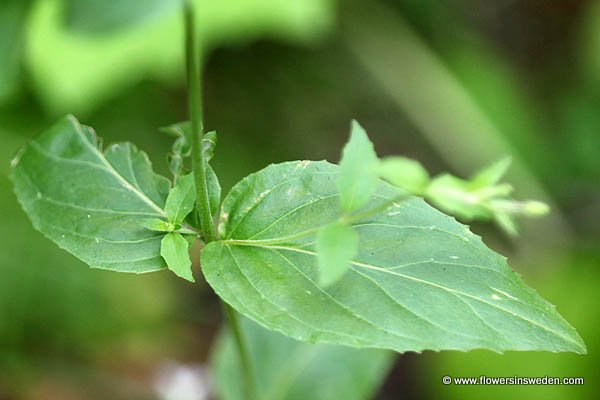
247,375
207,227
195,109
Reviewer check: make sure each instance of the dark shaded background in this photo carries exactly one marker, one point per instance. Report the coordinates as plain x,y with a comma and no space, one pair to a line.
455,84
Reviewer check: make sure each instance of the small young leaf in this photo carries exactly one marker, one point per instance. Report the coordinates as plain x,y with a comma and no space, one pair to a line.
209,142
183,130
181,199
452,195
175,163
534,208
506,223
405,173
183,133
214,190
175,158
491,174
158,225
482,198
214,193
358,170
174,250
336,246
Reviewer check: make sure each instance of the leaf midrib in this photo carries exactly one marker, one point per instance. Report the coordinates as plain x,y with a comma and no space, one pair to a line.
113,172
409,277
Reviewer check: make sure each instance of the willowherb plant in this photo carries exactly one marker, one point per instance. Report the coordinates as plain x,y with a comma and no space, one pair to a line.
344,254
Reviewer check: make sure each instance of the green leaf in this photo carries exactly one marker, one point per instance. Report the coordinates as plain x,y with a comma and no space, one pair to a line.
183,130
214,196
336,246
181,199
71,72
405,173
94,16
492,174
453,195
209,142
12,20
92,203
358,170
155,224
287,369
214,190
174,250
179,129
420,280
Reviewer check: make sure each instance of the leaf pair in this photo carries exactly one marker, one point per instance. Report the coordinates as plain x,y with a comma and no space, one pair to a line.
337,243
182,198
174,247
179,205
418,280
360,169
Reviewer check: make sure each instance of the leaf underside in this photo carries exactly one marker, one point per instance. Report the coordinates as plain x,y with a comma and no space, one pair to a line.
92,203
289,368
421,280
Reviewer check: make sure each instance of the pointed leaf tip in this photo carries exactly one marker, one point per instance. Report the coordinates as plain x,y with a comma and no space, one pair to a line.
174,250
358,170
181,199
492,174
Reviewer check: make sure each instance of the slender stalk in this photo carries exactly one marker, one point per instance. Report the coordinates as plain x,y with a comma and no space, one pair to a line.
207,228
247,375
195,109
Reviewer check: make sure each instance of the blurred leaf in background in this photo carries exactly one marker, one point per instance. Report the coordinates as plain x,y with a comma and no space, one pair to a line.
61,61
97,17
589,45
290,370
12,19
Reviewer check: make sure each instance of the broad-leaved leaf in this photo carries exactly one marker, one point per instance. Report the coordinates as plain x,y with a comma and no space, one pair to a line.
420,280
92,203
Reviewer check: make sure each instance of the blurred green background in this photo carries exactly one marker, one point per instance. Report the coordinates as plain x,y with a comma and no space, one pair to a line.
455,84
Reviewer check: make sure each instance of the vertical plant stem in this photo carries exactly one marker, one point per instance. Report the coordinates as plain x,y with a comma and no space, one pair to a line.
199,167
195,109
247,375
